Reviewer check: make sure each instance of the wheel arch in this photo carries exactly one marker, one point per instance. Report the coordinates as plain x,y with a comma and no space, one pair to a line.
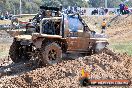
38,42
61,42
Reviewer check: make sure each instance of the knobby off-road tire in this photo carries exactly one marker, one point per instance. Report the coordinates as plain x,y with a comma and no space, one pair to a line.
15,53
51,53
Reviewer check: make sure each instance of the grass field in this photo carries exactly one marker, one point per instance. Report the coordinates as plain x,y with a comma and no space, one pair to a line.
3,54
4,50
122,47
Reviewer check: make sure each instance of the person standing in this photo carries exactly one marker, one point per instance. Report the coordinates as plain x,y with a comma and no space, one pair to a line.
122,8
103,25
126,9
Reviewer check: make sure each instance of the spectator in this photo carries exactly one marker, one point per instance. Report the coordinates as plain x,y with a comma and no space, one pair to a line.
6,15
103,25
1,17
126,11
10,16
122,8
106,11
94,12
75,8
84,10
101,11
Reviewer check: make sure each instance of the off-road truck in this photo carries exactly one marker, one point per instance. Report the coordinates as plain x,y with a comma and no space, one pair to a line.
55,34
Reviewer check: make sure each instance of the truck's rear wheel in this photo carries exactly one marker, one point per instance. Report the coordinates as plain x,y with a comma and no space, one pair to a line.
16,53
51,53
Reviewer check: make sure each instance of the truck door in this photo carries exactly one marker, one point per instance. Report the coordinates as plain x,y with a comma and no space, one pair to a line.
75,38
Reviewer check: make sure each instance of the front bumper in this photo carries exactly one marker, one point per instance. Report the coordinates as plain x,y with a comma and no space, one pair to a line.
100,45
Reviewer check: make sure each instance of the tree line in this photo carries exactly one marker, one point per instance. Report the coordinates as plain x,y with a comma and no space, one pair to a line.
32,6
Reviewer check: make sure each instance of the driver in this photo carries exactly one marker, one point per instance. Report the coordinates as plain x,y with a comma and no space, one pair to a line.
48,25
48,13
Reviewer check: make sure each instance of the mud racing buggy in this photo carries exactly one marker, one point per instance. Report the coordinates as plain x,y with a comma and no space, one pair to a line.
56,34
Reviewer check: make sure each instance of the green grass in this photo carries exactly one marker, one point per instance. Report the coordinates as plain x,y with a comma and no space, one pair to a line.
122,47
3,54
4,49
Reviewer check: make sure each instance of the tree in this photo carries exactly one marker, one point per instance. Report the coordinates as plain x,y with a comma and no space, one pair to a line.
54,3
2,2
32,6
93,4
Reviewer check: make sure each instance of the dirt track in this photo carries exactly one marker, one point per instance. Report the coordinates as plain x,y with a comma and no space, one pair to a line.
120,28
66,73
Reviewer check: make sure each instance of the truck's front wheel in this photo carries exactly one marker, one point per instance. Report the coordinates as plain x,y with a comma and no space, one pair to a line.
51,53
